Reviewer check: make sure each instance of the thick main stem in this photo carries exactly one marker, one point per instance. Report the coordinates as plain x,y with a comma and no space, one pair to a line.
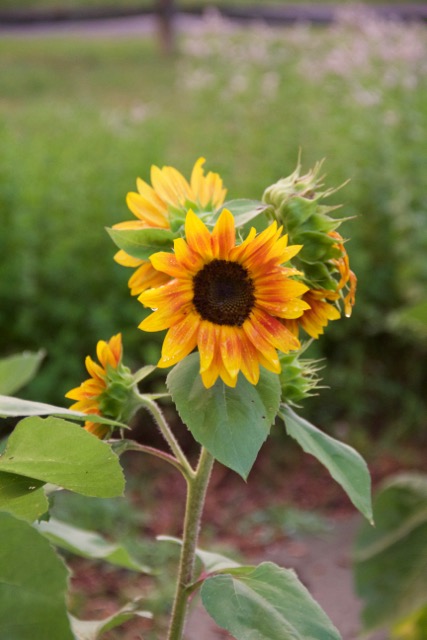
196,492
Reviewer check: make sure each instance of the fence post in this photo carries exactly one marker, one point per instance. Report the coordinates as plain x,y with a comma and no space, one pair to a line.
165,13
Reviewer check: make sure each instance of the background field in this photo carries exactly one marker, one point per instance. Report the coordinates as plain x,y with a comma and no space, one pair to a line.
80,119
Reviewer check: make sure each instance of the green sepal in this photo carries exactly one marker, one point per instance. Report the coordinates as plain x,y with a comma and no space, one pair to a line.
142,243
232,423
265,603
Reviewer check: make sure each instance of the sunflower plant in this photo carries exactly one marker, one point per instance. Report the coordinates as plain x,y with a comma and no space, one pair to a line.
240,287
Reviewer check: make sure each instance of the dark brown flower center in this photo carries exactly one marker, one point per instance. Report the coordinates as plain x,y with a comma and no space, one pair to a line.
224,293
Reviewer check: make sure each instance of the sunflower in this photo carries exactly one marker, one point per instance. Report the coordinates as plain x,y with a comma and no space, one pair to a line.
92,394
153,205
225,299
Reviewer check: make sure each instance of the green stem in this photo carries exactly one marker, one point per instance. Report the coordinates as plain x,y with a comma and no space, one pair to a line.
196,492
166,432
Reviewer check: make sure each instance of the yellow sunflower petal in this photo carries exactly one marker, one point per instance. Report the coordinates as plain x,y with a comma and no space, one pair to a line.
274,331
250,360
123,258
187,258
142,209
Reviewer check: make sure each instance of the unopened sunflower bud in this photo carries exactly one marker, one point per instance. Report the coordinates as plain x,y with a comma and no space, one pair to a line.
297,205
298,378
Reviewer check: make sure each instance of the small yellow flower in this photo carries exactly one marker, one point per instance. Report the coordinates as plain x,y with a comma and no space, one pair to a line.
153,206
227,300
92,394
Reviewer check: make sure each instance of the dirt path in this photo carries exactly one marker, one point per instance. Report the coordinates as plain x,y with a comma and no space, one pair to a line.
323,564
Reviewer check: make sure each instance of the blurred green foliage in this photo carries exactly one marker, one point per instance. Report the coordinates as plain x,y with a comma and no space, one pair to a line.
80,119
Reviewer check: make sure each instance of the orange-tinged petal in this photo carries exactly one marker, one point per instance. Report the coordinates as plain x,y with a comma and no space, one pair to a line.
230,349
161,319
210,375
288,309
167,263
146,277
259,341
94,370
250,360
274,331
208,341
223,235
180,340
187,258
198,236
123,258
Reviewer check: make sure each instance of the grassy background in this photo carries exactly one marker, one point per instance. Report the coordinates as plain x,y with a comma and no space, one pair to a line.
80,119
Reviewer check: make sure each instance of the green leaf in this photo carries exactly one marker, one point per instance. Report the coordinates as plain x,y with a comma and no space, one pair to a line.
61,453
16,407
344,464
391,559
232,423
33,584
265,603
94,629
23,497
243,210
88,544
211,561
142,243
17,370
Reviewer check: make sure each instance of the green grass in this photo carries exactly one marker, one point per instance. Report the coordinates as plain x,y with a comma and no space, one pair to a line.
80,119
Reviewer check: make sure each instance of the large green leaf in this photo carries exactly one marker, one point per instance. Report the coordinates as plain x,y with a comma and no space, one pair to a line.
94,629
88,544
265,603
21,496
17,370
33,584
391,559
142,243
16,407
344,464
232,423
62,453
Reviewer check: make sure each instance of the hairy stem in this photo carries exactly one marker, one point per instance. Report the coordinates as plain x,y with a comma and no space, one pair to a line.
196,492
166,432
